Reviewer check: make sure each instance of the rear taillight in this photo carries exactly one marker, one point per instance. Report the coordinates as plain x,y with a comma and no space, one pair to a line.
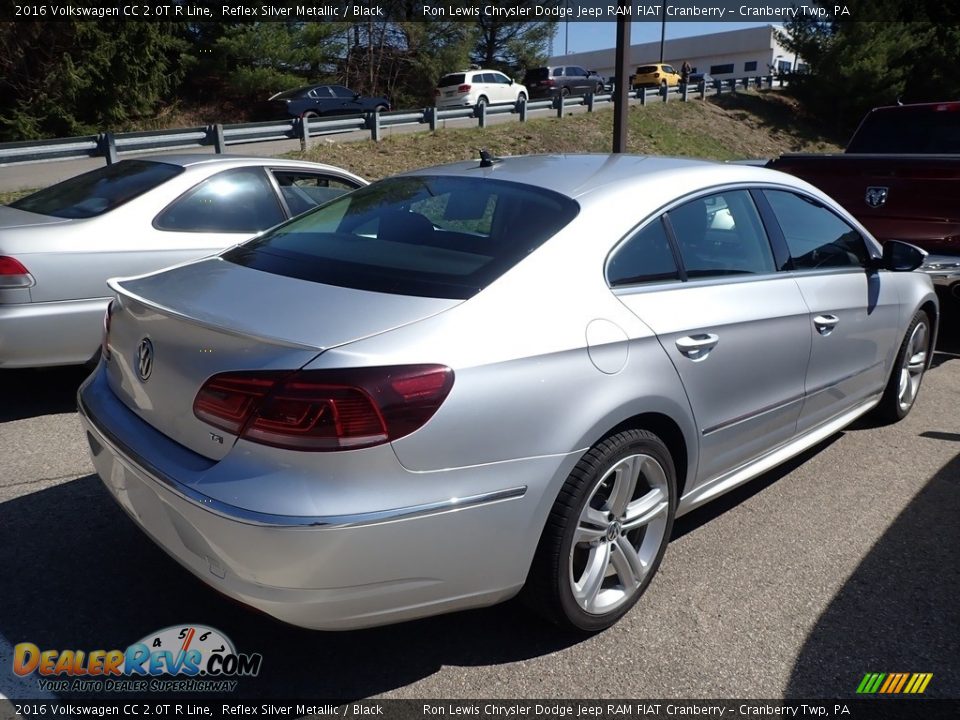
320,410
549,83
656,75
13,274
463,89
105,340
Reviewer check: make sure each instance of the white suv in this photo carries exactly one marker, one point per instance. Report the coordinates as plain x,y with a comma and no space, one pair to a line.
478,87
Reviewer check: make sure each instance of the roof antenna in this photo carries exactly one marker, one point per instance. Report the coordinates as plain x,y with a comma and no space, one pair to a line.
487,159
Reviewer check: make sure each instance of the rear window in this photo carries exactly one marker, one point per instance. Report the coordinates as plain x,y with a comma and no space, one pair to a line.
923,131
445,237
536,75
454,79
288,94
98,191
644,69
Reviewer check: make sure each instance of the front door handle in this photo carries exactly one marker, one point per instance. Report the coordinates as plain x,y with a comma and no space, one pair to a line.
825,323
697,346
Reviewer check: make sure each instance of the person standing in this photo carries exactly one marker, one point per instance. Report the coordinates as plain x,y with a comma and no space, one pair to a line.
685,71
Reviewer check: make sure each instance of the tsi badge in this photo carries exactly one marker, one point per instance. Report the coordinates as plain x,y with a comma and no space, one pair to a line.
199,657
876,196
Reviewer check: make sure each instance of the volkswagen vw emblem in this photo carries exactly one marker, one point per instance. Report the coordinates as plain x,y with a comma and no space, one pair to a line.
144,359
876,196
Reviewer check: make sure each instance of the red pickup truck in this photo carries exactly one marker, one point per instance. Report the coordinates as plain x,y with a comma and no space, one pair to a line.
900,177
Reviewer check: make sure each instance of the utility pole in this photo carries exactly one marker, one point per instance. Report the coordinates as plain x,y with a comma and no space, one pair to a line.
663,30
621,89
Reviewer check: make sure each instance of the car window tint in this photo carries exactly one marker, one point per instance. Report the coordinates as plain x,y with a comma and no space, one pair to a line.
668,69
342,92
452,79
816,237
429,236
558,72
98,191
721,235
304,191
239,200
501,78
578,71
644,258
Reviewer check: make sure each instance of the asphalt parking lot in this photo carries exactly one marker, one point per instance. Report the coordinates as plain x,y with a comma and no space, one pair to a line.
842,562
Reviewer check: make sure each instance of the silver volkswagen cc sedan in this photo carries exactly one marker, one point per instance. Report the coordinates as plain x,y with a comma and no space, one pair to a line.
494,377
59,245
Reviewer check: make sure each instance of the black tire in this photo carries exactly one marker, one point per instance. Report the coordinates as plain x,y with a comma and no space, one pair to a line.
310,115
521,97
598,90
565,92
561,563
663,85
482,101
901,392
381,108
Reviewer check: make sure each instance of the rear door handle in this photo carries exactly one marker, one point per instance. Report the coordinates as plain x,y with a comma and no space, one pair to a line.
825,323
697,346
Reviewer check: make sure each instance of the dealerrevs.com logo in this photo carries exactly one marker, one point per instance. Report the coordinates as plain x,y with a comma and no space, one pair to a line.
199,658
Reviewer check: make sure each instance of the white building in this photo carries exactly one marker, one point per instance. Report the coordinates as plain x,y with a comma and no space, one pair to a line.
730,54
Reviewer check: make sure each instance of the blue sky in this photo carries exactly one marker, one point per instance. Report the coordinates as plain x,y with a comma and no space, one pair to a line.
585,36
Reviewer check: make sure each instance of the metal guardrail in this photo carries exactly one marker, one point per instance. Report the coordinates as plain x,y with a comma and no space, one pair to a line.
110,145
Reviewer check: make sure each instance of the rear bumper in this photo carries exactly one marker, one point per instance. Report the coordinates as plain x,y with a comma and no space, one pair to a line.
50,333
378,565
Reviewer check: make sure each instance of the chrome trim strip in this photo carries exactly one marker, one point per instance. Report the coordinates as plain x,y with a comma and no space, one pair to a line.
749,416
728,480
848,376
142,466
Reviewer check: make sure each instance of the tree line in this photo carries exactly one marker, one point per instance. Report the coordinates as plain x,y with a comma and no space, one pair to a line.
907,51
67,78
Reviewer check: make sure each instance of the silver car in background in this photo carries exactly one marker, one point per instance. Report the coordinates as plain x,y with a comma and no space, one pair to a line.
469,381
59,245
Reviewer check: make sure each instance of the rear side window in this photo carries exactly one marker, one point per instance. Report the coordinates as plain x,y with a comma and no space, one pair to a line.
644,258
817,238
721,235
446,237
233,201
98,191
644,69
451,80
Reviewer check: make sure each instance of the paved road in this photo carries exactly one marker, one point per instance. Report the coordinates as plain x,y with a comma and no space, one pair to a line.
842,562
37,175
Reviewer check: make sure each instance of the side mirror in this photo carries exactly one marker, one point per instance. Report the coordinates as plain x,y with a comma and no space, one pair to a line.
356,96
511,80
902,257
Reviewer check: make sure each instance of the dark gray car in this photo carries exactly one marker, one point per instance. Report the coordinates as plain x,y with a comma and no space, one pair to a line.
564,80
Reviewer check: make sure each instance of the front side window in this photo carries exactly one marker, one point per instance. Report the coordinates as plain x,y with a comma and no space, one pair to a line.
644,258
816,237
342,92
98,191
233,201
427,236
721,234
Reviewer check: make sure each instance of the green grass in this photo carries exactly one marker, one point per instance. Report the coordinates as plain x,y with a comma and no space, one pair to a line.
746,125
727,127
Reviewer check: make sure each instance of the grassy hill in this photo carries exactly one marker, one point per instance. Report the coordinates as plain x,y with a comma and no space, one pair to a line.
727,127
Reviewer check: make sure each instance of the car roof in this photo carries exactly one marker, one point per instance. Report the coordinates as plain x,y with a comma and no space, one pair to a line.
576,174
192,159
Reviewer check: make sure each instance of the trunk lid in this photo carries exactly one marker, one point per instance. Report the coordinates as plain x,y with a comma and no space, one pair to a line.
11,217
213,316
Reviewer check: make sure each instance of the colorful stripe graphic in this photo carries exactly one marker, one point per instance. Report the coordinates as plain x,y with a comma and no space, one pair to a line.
894,683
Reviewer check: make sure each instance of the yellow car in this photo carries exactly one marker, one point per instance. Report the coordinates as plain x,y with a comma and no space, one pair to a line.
655,75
